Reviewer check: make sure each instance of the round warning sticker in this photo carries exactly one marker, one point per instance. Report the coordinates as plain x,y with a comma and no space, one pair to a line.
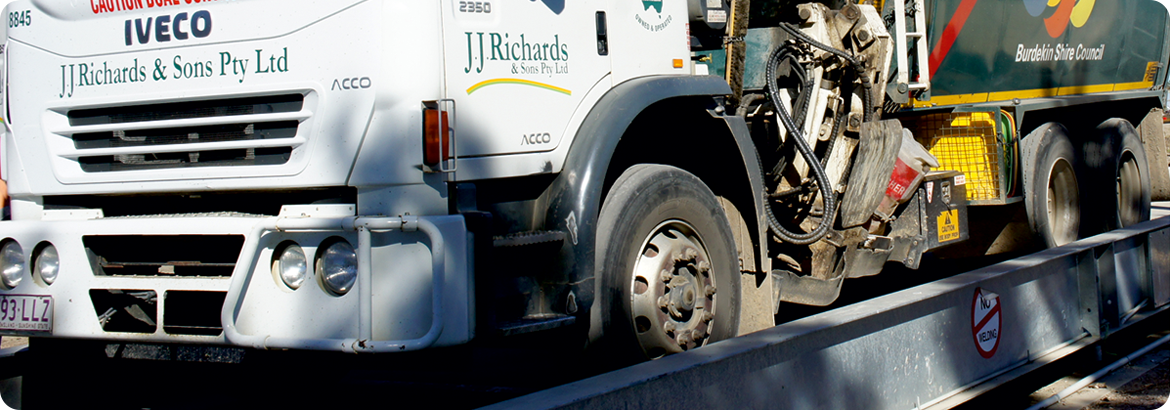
986,322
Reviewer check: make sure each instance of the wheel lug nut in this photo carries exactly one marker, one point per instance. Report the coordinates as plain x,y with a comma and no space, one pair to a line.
711,291
698,334
683,338
690,254
666,275
668,327
704,267
708,317
663,302
677,256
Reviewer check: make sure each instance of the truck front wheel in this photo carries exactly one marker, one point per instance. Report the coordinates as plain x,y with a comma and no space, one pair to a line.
668,280
1051,193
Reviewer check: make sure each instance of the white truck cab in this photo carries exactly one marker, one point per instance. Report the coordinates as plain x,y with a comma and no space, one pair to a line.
256,172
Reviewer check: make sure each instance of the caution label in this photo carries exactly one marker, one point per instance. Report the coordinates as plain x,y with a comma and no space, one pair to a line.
948,226
986,321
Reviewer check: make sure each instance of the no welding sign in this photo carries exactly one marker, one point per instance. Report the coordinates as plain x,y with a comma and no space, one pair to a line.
986,321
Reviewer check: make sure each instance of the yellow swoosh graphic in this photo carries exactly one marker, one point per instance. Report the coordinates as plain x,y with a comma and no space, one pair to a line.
517,81
1081,12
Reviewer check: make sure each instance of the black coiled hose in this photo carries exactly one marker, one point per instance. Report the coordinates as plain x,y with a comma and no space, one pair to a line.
815,164
809,157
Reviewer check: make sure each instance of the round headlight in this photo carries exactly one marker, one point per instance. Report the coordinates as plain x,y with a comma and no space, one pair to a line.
337,265
292,266
11,264
48,264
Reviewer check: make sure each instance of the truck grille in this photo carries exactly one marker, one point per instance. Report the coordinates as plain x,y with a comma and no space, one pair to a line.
164,255
188,110
226,132
231,157
193,312
183,312
214,203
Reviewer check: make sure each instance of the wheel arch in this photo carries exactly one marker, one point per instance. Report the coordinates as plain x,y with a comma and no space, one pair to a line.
689,133
614,136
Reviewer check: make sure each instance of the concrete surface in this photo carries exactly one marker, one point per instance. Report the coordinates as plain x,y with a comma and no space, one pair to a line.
11,341
1141,384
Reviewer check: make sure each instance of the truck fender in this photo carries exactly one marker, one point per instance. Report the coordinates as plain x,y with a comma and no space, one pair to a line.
573,200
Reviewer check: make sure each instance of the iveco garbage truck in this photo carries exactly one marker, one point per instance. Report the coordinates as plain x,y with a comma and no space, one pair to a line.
646,176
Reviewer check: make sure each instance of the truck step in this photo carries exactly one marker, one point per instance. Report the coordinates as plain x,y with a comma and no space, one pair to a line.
531,324
527,238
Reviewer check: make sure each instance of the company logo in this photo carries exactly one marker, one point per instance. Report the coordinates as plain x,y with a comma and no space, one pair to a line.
516,55
1067,11
652,21
535,139
186,66
352,83
164,28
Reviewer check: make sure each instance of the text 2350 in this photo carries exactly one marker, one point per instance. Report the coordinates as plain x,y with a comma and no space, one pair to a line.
475,7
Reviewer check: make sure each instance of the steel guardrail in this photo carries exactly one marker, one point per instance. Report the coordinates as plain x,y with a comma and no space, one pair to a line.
912,349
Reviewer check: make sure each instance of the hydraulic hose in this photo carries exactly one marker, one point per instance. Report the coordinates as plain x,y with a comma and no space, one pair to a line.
857,65
800,108
805,98
814,163
746,103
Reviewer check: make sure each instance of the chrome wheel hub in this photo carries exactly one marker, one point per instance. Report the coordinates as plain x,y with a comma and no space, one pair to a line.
1129,192
673,291
1063,205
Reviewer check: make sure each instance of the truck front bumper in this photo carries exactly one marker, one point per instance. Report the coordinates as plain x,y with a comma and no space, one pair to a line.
414,288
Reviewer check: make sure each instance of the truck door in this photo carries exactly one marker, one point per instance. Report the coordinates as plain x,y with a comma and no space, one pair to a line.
518,70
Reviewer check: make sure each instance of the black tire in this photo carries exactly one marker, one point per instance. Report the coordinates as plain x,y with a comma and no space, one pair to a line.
1051,192
1130,173
657,219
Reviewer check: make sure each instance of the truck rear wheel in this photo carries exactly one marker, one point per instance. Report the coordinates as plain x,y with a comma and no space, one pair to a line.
1132,173
1116,176
1051,193
668,279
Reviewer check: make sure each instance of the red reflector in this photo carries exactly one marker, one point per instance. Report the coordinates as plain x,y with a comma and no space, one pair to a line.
436,137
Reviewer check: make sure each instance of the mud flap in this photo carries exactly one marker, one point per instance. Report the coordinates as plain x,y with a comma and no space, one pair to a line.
876,156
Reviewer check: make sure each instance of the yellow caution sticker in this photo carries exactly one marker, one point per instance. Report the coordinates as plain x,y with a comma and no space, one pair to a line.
948,226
